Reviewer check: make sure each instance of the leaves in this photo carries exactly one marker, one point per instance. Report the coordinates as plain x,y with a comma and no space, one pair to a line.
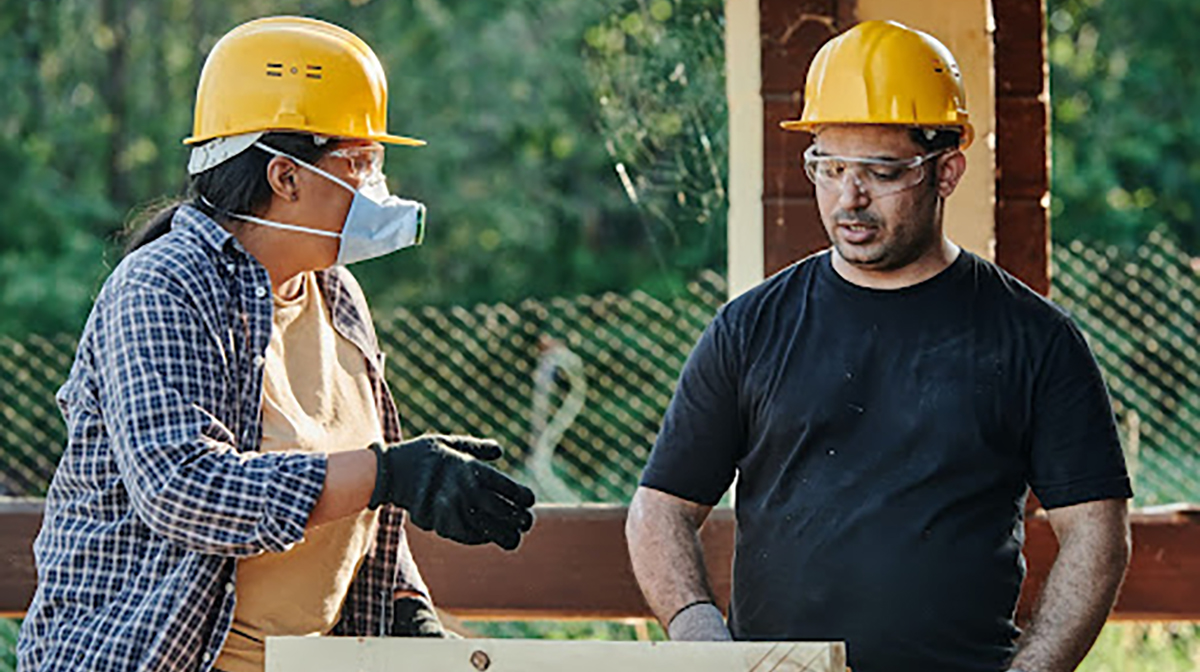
519,177
1125,143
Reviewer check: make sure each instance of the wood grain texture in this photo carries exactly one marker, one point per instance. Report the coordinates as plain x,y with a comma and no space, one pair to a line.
326,654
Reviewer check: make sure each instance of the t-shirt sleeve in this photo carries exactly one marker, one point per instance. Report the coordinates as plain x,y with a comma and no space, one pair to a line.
1075,453
702,433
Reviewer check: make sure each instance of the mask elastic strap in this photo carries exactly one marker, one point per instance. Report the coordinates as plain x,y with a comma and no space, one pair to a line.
287,227
271,150
277,225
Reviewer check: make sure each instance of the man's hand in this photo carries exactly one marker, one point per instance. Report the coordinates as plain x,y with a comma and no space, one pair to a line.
444,484
698,622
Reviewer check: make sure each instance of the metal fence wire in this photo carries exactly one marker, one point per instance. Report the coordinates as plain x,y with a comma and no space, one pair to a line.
575,389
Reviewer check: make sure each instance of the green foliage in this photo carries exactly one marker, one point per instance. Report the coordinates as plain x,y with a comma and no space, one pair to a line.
519,173
658,72
618,631
1125,140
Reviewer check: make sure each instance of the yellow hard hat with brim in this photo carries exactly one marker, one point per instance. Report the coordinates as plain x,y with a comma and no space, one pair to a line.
882,72
289,73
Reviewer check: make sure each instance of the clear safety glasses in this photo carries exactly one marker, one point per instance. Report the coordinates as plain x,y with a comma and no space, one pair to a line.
365,161
874,177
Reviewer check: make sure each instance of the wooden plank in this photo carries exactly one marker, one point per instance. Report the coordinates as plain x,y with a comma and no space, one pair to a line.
329,654
20,520
574,565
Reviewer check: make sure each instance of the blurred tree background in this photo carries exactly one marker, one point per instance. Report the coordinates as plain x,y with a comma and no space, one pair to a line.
1126,143
574,146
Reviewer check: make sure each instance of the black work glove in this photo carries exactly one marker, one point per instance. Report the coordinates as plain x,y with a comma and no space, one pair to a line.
415,617
444,484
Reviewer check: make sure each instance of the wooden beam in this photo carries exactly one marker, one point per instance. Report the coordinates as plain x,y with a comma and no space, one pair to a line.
1022,142
20,520
379,654
574,565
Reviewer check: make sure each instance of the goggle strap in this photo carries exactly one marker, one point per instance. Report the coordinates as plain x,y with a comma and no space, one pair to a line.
916,161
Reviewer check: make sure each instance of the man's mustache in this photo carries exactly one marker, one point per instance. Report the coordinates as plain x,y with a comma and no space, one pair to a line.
855,217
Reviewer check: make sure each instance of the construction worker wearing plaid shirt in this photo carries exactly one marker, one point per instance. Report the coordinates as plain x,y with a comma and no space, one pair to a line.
210,495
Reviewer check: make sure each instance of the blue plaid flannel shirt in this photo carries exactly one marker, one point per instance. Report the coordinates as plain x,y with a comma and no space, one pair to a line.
160,489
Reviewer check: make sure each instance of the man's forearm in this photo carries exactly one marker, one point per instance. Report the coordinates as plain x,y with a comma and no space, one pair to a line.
1079,594
665,551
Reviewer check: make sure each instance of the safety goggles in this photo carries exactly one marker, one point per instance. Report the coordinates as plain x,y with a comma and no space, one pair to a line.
365,161
874,177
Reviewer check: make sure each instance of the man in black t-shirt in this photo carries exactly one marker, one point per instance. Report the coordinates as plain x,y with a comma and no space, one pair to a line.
886,406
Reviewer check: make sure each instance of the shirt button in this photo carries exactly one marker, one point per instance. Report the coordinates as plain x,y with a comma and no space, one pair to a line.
207,656
230,267
260,292
258,360
229,587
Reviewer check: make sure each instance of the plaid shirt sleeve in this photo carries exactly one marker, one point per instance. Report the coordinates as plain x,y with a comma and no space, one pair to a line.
185,479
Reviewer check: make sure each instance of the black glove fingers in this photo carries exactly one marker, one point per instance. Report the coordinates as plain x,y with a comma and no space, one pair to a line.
498,508
481,449
493,479
504,532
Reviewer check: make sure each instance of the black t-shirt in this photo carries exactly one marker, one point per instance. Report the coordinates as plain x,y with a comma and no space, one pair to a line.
884,442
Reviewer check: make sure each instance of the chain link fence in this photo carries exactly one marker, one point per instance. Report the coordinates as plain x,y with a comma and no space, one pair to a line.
576,388
1140,312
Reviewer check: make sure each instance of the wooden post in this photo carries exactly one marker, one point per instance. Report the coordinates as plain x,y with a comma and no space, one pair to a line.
791,33
1022,141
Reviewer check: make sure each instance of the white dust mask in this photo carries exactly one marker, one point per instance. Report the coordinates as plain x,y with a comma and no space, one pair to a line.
377,224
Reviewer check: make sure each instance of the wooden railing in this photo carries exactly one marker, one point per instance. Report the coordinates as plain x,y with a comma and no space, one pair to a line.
574,565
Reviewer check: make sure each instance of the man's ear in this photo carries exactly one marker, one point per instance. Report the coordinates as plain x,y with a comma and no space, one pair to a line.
950,170
281,175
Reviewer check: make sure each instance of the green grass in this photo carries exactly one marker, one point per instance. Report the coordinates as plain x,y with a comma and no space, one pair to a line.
8,644
1145,647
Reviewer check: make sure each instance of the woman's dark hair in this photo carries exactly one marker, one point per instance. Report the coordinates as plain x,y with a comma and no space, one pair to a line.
238,185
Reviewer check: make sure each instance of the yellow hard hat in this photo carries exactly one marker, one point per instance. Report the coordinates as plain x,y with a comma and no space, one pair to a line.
289,73
881,72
